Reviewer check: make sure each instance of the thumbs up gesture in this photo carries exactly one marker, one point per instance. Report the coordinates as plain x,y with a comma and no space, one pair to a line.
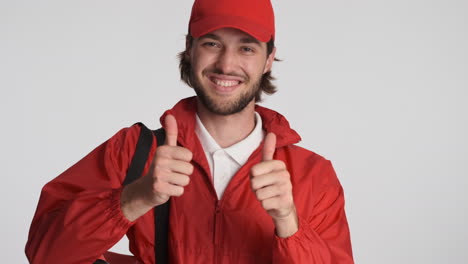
171,166
271,184
167,176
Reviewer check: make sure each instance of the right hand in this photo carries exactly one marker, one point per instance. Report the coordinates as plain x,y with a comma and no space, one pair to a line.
167,176
170,170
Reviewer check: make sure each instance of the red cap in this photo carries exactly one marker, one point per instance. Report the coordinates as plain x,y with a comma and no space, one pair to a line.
254,17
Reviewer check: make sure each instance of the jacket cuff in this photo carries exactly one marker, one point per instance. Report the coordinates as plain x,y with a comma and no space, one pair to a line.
294,238
296,247
114,211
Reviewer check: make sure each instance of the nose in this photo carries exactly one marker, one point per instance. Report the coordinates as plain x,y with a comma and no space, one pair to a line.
227,61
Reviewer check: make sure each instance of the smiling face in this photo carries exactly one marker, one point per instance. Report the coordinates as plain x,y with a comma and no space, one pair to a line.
227,66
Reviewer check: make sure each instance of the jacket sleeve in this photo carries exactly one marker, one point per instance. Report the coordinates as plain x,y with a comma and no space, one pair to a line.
78,217
323,236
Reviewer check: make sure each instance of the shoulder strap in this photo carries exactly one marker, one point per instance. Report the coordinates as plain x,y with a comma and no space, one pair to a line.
137,165
161,218
143,147
161,212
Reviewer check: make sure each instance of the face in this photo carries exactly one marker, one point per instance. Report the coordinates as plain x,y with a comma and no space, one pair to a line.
227,66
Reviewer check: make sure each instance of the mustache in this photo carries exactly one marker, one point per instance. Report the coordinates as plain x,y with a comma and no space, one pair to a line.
221,72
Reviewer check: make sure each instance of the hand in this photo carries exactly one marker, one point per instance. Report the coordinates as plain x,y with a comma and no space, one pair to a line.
271,183
169,173
167,176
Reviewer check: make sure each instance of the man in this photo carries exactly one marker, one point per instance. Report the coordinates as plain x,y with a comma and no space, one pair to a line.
240,190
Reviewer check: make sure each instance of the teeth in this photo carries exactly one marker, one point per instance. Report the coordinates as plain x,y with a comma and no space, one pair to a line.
226,83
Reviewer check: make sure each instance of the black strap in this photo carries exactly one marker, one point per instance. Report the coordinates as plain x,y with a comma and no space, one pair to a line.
161,218
143,147
161,212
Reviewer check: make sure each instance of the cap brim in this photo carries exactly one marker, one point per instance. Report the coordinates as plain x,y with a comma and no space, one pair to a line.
211,23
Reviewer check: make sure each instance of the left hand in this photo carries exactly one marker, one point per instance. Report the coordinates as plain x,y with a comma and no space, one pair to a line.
271,183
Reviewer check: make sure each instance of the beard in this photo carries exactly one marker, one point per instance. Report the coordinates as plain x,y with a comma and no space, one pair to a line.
226,107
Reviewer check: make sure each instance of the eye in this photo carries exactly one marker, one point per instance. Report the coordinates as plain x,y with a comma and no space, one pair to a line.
210,44
247,49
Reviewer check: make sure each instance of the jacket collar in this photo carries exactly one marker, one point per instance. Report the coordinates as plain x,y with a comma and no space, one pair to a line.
184,112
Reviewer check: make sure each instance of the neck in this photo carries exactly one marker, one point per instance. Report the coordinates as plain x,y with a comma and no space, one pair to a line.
230,129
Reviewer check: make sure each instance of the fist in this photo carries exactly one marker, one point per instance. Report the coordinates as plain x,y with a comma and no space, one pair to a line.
271,184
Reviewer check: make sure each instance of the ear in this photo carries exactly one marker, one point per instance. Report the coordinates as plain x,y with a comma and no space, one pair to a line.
270,60
188,47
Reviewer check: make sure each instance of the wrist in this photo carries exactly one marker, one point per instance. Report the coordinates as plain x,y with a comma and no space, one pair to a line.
286,226
132,204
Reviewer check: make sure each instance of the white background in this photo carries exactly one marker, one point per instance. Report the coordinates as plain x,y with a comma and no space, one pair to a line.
378,87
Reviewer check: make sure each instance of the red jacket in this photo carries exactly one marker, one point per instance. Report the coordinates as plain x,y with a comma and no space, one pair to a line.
78,216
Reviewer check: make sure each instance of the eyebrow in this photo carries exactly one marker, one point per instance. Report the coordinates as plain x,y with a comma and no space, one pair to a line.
211,36
246,40
250,40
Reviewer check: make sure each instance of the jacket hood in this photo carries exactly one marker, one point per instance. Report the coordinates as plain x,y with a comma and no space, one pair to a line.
184,112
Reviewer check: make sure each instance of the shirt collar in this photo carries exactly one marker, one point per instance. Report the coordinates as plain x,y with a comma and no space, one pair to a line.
207,141
241,151
184,112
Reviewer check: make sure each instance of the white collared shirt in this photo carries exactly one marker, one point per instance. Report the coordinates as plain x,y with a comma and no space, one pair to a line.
224,163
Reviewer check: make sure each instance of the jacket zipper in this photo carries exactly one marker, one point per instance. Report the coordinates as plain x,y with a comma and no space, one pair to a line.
216,232
216,225
218,203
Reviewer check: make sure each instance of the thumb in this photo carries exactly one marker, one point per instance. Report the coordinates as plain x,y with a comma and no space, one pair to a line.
170,124
269,146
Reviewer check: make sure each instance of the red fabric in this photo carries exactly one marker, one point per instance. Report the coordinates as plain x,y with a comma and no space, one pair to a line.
78,216
116,258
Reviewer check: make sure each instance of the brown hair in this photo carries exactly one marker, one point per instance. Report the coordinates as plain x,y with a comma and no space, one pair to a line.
266,84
